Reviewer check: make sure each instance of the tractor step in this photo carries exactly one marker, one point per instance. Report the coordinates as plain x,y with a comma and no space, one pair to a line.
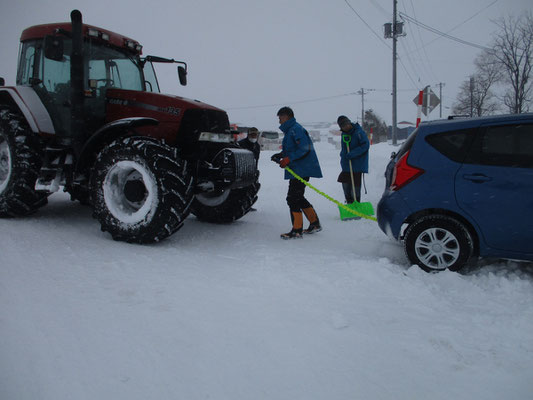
52,173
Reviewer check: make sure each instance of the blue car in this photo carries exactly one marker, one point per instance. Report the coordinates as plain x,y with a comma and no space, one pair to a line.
460,188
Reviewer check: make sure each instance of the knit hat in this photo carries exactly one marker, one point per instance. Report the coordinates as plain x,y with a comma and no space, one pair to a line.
342,120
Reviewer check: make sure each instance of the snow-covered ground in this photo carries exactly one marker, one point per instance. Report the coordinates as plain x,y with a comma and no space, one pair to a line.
233,312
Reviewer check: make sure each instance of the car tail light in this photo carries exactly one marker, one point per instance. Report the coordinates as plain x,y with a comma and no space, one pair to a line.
404,173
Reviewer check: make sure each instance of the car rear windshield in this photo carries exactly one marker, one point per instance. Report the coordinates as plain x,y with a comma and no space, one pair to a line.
406,146
453,145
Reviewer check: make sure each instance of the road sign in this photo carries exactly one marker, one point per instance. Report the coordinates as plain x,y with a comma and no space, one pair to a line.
429,102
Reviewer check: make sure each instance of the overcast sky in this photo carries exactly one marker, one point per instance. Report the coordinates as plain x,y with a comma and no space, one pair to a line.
252,57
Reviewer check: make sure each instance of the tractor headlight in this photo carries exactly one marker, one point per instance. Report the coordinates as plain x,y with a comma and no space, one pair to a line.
215,137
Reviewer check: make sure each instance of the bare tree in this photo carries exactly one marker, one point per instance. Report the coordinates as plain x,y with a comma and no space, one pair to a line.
475,96
513,50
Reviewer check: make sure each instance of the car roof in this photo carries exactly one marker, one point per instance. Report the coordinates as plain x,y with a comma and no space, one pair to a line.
465,123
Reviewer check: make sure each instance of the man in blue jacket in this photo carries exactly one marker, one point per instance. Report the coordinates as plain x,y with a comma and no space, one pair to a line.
299,155
355,140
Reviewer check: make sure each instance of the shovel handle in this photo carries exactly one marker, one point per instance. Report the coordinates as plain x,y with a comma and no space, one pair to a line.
351,170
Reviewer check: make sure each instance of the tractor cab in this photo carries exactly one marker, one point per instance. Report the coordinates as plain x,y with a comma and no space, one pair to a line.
107,61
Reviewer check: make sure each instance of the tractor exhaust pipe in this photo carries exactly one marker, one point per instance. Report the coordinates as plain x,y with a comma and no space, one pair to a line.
77,94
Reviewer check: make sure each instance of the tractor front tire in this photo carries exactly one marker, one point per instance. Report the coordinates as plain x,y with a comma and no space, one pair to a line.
142,190
225,206
20,162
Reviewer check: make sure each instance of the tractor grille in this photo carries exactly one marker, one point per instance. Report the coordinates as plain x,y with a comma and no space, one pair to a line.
245,167
237,165
201,120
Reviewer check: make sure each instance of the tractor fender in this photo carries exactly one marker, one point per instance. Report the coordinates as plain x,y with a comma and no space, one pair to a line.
106,134
31,106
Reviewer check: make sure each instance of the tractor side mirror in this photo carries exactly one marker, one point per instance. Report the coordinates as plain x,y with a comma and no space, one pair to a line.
53,48
2,82
182,74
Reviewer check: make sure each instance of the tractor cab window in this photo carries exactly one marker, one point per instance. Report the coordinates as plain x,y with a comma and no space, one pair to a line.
150,78
54,88
41,72
27,63
110,68
49,78
56,74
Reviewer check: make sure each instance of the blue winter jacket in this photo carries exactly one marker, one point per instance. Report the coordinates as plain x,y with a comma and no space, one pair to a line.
297,145
359,145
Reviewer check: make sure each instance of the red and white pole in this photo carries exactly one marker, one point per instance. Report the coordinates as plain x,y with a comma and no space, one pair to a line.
419,113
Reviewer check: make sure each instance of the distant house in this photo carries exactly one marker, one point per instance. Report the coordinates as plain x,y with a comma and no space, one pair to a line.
403,130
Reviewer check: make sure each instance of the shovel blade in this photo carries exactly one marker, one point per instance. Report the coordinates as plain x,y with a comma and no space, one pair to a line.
365,208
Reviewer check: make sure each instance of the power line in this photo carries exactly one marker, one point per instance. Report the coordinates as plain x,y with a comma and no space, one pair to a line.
376,4
407,72
437,32
407,51
412,64
368,26
463,22
421,42
293,102
316,99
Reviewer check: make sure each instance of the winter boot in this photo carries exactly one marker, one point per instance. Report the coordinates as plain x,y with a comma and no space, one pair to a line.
314,222
293,234
313,228
297,224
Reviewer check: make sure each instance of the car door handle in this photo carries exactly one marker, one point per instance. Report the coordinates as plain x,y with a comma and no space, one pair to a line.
477,178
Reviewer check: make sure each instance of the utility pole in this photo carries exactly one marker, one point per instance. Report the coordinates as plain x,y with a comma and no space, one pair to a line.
394,40
440,96
362,93
393,31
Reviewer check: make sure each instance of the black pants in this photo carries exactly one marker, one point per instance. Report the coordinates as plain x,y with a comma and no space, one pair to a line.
295,196
348,190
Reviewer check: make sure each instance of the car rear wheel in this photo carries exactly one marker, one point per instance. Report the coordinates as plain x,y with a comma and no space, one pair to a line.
438,242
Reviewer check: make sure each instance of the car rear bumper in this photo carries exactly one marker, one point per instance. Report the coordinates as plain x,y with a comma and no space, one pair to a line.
392,211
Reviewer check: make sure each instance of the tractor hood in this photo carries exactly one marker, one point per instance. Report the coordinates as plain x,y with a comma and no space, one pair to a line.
180,120
163,107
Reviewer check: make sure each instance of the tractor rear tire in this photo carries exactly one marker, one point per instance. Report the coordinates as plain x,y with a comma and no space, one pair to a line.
20,161
226,206
141,190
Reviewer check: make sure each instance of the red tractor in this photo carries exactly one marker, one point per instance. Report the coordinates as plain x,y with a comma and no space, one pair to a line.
86,115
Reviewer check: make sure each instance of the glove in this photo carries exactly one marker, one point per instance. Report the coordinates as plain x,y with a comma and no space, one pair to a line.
284,162
277,157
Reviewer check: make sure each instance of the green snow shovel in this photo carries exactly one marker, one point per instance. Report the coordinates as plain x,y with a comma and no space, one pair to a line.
350,211
359,208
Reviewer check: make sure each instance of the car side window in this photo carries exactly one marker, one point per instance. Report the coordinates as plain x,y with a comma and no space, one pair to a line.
453,145
506,146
